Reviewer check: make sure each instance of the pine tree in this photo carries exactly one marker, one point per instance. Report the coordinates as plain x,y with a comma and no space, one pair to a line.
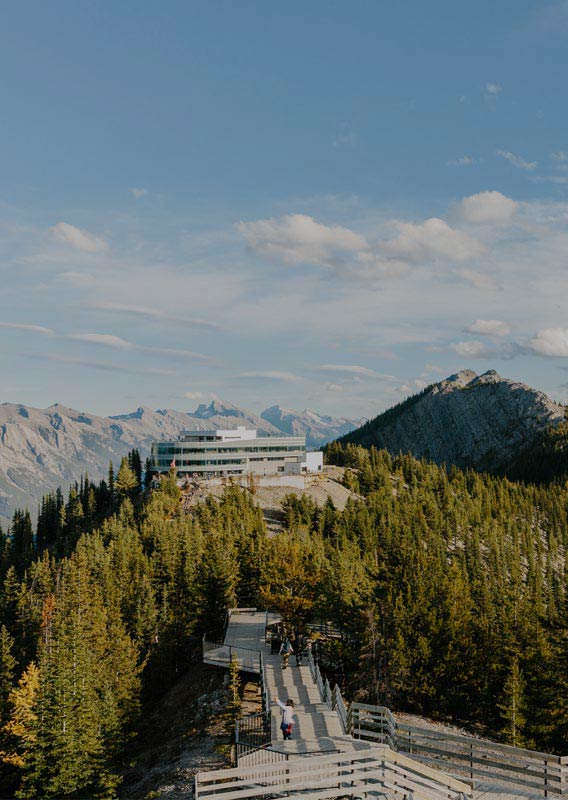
233,706
513,706
22,537
19,732
126,481
7,669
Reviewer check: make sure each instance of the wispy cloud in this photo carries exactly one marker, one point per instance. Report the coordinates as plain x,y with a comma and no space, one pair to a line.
516,161
270,375
349,369
28,328
118,343
78,238
463,161
559,155
105,366
155,314
138,193
76,280
480,280
112,341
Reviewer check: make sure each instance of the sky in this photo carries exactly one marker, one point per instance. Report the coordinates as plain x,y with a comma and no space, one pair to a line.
323,204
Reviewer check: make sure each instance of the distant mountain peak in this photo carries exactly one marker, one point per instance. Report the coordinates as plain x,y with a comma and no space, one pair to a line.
218,408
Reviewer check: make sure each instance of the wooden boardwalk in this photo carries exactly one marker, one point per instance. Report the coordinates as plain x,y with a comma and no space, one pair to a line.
318,729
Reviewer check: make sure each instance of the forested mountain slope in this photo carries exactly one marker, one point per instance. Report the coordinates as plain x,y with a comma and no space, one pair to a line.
449,588
480,421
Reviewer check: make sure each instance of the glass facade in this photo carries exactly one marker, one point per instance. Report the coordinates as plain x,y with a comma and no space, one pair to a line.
209,455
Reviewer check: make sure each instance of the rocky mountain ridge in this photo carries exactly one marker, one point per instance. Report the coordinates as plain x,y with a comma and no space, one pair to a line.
296,423
470,420
41,449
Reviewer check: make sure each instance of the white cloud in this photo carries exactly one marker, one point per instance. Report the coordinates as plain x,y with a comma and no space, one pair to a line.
298,238
138,193
489,327
29,328
78,238
486,207
473,349
560,155
493,89
106,339
335,388
550,342
433,238
517,161
271,375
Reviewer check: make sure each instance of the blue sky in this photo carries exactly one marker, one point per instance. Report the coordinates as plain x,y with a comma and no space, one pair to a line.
323,204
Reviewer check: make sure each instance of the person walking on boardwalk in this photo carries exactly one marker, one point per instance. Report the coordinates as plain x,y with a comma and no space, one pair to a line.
287,717
285,651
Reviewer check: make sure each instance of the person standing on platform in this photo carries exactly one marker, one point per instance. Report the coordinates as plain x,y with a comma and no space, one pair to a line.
287,717
285,651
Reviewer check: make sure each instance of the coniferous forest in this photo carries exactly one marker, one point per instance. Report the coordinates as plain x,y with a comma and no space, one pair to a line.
449,589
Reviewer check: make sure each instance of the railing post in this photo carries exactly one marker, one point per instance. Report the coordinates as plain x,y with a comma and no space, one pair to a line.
545,777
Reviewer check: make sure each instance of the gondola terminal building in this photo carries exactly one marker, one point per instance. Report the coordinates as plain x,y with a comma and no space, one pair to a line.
222,453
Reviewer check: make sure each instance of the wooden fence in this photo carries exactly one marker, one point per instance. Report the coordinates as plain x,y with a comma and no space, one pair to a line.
370,773
475,759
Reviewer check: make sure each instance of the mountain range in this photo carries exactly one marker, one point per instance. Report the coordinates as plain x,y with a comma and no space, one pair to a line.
41,449
485,422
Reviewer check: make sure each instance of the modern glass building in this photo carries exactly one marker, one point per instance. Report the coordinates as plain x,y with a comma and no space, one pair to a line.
212,454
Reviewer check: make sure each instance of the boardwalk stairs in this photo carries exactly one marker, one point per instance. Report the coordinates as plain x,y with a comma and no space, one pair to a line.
355,750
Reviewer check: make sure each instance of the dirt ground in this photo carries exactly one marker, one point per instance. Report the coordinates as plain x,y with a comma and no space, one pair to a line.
269,498
182,735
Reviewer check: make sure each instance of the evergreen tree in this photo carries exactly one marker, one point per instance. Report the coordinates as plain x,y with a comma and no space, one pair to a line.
513,706
126,480
22,548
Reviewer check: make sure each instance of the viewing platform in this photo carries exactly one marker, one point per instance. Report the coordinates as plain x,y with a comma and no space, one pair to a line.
357,750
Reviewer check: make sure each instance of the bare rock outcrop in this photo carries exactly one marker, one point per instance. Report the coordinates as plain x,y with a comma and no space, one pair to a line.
469,420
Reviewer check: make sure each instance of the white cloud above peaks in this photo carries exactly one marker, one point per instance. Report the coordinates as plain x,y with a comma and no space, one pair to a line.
551,342
298,238
78,238
486,207
433,238
489,327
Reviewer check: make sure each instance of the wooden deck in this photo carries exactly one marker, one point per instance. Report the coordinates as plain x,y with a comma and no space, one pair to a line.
318,730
